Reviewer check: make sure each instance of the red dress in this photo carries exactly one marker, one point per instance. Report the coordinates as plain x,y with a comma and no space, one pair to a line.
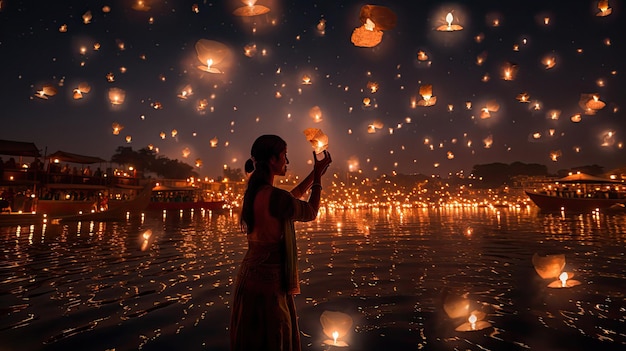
263,312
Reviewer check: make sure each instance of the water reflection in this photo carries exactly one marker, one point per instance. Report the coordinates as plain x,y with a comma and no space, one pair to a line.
110,285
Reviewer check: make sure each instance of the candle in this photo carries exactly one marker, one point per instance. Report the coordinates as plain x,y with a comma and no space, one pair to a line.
564,281
474,322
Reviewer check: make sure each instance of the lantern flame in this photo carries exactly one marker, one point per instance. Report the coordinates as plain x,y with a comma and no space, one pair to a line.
449,27
335,336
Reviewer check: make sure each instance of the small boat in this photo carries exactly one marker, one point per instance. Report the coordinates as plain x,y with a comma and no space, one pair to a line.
172,194
579,193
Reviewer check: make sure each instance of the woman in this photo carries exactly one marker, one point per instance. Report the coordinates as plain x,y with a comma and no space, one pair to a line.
264,314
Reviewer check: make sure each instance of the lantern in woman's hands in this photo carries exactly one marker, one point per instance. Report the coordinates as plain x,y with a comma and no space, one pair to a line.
317,138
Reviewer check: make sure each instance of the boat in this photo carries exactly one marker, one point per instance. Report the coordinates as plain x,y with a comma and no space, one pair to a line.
177,194
579,192
18,182
68,192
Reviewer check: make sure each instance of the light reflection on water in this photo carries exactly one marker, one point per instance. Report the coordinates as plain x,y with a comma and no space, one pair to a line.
90,286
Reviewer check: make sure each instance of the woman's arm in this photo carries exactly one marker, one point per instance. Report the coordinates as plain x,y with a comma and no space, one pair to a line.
302,188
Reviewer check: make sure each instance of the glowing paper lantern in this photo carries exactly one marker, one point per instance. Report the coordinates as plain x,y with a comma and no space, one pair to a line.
481,58
523,97
117,96
449,27
426,92
212,53
383,17
509,71
87,17
186,152
554,115
141,5
603,6
213,142
186,92
306,80
316,114
367,35
129,139
251,9
335,325
422,56
374,20
576,118
549,62
456,306
198,163
591,102
46,91
317,138
548,266
249,50
372,86
117,128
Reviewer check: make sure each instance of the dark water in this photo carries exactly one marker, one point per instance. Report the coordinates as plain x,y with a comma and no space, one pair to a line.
90,286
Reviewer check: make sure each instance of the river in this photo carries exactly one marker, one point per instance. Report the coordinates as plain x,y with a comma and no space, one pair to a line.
163,281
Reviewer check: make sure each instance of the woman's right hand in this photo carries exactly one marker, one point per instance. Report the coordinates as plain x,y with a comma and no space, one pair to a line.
320,166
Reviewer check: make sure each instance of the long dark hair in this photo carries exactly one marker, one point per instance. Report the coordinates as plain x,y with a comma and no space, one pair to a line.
263,149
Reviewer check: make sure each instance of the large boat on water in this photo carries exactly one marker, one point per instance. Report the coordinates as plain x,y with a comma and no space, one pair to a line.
180,194
65,187
579,192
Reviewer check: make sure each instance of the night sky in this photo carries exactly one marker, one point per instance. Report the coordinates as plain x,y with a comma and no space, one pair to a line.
150,54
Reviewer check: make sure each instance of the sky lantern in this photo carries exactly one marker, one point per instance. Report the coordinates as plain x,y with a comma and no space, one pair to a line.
250,50
198,163
367,102
591,102
162,135
316,114
554,155
317,138
422,56
605,10
46,91
509,71
492,106
336,326
117,96
117,128
523,97
186,152
213,54
140,5
426,92
481,58
374,20
174,133
306,80
214,142
202,105
321,26
186,92
372,86
554,115
87,17
488,141
129,139
576,118
83,88
63,28
449,27
549,62
251,9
